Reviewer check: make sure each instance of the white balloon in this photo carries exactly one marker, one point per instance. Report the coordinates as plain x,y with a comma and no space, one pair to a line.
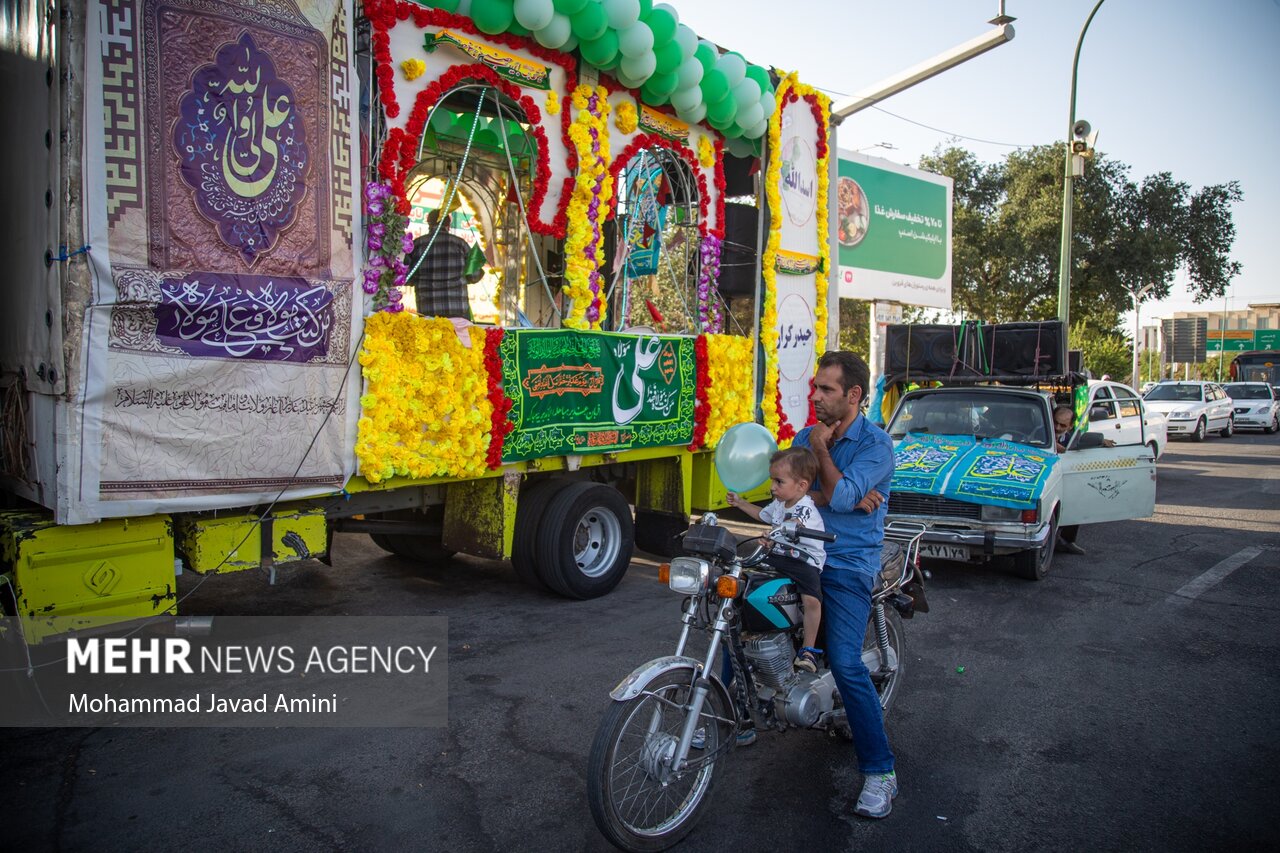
669,8
734,68
750,115
570,44
635,40
689,73
639,67
757,130
621,77
687,39
694,115
621,13
686,99
739,147
534,14
556,32
464,8
768,103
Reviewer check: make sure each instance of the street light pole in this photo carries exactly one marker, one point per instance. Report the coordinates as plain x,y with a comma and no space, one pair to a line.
1137,294
1064,260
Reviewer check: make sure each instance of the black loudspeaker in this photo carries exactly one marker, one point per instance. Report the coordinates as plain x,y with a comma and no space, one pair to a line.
1075,360
737,175
1025,349
920,350
738,257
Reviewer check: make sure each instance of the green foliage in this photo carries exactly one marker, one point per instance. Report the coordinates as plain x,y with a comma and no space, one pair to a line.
1007,231
1102,349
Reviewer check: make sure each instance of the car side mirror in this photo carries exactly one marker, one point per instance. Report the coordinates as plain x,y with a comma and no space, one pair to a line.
1089,440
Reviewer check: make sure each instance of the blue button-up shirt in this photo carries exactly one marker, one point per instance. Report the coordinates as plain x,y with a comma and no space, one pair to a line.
864,455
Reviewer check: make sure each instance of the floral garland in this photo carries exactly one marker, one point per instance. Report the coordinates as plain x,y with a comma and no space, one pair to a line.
553,103
627,119
588,207
399,150
706,152
730,384
411,423
789,91
702,398
498,399
710,317
387,242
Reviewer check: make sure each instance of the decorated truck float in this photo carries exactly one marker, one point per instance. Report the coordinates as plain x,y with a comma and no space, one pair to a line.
212,357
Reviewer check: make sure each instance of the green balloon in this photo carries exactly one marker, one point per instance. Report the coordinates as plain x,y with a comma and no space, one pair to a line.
663,25
732,131
492,16
662,84
706,54
669,56
761,76
518,28
722,111
446,5
742,456
590,22
603,50
714,86
569,7
646,6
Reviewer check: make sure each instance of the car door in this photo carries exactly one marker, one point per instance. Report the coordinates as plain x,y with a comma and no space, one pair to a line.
1128,416
1102,412
1220,408
1107,484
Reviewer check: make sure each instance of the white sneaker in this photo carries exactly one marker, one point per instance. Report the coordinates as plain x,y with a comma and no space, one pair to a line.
878,791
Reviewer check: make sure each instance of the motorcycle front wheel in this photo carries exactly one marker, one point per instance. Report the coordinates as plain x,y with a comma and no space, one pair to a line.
637,800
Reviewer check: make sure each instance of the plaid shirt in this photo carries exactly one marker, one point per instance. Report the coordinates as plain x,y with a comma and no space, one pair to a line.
440,285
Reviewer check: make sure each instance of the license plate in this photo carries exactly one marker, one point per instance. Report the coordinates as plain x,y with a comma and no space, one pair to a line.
944,552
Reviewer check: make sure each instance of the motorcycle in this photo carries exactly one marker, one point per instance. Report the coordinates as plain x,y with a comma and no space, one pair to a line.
674,720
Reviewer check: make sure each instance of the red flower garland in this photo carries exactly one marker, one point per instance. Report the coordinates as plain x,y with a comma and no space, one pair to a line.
500,423
785,429
702,404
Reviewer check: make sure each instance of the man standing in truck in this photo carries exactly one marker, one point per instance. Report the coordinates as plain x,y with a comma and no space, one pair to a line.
441,279
855,459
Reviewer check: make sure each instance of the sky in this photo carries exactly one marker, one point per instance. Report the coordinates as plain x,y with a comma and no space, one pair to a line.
1170,85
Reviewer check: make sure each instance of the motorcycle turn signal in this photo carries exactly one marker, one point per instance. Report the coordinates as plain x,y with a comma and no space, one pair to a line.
727,586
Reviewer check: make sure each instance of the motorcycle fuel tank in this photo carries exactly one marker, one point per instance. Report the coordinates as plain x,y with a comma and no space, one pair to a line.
771,604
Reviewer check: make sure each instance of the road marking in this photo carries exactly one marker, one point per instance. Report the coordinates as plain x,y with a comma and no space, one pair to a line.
1215,575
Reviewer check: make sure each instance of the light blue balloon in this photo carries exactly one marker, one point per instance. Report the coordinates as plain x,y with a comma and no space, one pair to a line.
768,103
756,131
636,40
750,115
746,93
689,74
556,33
621,13
734,68
687,39
534,14
742,456
686,99
694,115
639,67
739,147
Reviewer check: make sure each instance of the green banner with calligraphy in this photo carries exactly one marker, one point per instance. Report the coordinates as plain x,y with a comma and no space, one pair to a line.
596,392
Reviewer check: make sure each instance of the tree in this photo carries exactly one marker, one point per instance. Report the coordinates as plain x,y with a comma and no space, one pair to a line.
1007,231
1102,349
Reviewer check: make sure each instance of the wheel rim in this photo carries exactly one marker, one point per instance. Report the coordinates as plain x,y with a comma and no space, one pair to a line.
597,541
1200,429
871,659
646,797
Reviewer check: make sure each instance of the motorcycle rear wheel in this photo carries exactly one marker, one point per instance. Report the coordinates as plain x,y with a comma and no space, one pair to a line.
629,801
886,685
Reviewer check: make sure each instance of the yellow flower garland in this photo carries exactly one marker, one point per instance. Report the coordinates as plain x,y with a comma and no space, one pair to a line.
412,424
553,104
594,183
706,152
413,68
626,118
730,394
769,314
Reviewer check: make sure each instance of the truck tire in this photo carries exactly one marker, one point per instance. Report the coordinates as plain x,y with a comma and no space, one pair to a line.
415,547
1034,565
584,540
656,533
532,504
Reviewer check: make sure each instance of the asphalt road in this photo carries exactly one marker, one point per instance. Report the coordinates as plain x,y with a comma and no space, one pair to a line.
1128,702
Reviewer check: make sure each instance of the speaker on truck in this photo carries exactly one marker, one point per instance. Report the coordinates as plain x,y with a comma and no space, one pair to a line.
738,257
918,350
1025,349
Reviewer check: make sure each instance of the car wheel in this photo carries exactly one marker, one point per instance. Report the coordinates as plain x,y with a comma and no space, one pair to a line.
1275,425
1200,432
1230,429
1034,565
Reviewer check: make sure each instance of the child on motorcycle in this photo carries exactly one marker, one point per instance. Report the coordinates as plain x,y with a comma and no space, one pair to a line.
791,474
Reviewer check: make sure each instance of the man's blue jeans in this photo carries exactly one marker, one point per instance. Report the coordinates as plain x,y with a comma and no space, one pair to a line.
846,605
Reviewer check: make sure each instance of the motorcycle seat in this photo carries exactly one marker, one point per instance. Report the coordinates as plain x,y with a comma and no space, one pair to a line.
893,561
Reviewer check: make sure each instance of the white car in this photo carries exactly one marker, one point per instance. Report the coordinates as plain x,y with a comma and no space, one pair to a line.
1193,408
1118,413
1256,406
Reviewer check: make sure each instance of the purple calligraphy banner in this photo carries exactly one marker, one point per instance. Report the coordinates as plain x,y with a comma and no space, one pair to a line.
265,318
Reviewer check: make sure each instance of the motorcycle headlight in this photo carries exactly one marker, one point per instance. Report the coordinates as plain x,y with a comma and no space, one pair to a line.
689,575
1000,513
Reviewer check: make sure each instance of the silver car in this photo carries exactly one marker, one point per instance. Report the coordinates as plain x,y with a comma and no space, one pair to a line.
1256,406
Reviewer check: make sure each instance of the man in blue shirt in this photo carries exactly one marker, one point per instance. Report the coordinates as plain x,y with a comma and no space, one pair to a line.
855,459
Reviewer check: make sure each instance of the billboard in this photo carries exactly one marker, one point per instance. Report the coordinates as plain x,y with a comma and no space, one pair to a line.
893,232
1242,340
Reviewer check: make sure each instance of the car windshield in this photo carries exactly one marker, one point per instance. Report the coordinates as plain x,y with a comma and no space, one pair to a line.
1178,393
1243,391
983,415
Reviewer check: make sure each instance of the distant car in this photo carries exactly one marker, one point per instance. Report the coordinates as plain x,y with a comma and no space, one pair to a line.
1193,408
1147,386
1257,406
1118,413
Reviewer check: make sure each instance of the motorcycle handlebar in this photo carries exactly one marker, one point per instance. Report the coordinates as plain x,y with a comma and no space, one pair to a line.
810,533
